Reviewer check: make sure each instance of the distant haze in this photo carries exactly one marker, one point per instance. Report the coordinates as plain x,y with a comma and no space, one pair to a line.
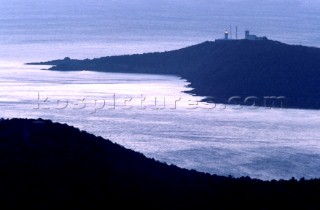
261,143
80,29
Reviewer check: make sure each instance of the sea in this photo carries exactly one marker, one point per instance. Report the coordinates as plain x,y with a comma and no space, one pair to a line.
155,114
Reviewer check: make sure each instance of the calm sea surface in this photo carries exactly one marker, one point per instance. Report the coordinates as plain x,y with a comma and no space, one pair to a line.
151,113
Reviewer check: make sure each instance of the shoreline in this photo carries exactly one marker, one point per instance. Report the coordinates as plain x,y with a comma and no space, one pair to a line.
221,70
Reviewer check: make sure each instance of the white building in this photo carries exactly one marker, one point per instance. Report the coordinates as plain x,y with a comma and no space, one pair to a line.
226,35
249,36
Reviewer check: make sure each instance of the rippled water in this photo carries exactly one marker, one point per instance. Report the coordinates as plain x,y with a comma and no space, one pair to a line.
150,113
130,109
36,30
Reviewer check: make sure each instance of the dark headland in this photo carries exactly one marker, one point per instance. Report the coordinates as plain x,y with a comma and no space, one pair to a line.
290,74
46,165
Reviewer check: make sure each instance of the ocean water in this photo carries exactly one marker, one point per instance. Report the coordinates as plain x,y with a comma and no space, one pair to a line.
39,30
151,113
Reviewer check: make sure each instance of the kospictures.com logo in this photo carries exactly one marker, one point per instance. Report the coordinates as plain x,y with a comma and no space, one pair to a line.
141,102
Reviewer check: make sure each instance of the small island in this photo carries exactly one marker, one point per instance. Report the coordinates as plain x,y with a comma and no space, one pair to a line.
254,71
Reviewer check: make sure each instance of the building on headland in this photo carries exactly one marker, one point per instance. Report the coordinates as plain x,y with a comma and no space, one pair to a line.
226,35
249,36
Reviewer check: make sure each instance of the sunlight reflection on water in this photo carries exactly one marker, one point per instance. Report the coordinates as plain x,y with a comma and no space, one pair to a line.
129,109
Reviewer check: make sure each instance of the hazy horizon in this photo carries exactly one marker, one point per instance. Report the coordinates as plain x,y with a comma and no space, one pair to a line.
86,29
261,143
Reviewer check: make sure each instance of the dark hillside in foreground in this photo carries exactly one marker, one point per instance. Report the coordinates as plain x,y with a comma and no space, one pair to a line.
223,69
47,165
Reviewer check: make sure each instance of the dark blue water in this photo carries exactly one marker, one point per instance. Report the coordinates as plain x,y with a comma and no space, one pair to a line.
33,30
265,144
